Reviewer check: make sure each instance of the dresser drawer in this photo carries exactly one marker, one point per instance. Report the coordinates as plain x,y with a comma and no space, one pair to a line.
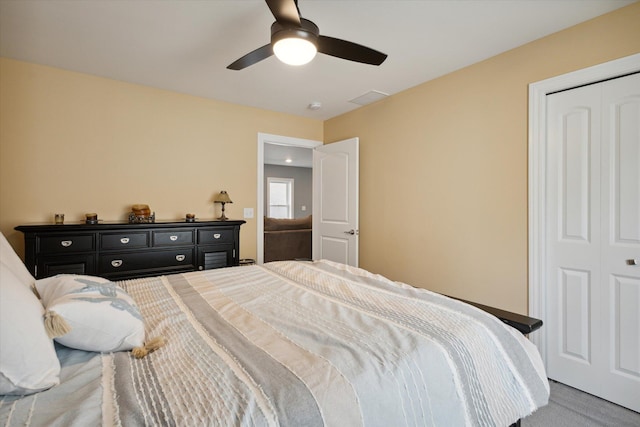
152,260
65,264
124,240
172,238
215,235
66,244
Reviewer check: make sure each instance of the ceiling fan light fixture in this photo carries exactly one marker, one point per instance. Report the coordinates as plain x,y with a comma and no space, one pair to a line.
295,44
294,50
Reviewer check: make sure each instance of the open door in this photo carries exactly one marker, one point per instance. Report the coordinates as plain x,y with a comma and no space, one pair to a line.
335,202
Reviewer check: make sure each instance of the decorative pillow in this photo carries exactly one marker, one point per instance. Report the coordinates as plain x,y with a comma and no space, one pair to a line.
12,261
90,313
28,361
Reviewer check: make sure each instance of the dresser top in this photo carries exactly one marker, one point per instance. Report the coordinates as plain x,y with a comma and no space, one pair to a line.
111,225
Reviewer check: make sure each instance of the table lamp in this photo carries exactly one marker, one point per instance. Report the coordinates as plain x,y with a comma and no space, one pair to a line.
223,198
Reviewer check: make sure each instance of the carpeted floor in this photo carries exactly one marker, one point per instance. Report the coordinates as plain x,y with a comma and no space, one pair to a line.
569,407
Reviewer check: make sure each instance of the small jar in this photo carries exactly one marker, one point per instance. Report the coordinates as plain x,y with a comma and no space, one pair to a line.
91,218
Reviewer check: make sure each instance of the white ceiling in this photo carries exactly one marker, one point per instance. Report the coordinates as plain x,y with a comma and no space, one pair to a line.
275,154
185,45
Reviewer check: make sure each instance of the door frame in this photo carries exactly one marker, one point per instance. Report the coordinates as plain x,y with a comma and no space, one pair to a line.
537,163
265,138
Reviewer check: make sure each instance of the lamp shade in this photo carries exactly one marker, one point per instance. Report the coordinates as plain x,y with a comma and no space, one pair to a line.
223,197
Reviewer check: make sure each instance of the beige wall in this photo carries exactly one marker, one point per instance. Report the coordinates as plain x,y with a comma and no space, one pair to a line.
443,169
75,143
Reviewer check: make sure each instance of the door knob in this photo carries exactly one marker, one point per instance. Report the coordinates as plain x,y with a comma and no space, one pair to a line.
633,261
351,232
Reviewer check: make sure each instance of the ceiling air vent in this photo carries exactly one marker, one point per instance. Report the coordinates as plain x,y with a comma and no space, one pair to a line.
369,97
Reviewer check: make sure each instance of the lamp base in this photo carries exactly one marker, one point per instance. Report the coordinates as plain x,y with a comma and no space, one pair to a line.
222,217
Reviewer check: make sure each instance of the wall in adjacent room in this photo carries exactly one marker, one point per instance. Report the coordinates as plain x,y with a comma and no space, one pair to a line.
74,143
302,187
443,166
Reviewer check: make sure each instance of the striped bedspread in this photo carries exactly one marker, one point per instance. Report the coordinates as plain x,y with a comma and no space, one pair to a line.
298,344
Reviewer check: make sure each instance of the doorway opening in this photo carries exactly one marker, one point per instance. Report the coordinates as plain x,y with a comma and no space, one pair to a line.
268,147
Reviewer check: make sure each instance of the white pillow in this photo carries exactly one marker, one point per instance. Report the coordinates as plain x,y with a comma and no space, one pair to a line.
12,261
101,315
28,361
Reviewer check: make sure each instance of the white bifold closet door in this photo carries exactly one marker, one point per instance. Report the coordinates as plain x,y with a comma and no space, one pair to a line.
593,235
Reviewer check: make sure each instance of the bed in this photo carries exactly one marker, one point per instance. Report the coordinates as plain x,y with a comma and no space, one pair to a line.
294,343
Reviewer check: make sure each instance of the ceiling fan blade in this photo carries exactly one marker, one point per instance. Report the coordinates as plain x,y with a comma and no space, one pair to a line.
351,51
285,11
252,57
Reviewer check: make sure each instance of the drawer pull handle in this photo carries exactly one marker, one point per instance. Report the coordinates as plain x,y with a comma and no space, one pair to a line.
173,238
116,263
124,240
66,243
180,257
216,236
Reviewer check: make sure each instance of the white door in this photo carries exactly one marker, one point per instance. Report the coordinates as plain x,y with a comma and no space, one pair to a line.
593,235
335,202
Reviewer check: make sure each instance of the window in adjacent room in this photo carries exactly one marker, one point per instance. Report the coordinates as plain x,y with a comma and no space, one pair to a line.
280,197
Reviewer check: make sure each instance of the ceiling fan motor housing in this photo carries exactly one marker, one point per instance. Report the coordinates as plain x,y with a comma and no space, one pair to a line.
306,31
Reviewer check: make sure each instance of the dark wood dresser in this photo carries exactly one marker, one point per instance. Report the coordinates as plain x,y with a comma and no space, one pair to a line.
124,251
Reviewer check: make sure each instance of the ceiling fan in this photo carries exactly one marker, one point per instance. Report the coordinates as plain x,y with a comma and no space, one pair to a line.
295,41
